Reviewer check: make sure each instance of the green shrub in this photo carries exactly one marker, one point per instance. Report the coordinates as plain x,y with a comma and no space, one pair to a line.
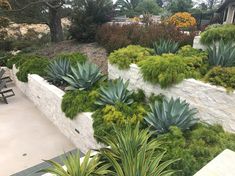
4,56
163,70
13,60
77,101
170,69
115,92
165,46
224,32
83,76
33,65
167,113
126,56
119,115
195,147
188,51
222,55
222,76
72,57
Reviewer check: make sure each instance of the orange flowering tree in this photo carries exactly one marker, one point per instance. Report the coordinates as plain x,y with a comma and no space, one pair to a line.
182,20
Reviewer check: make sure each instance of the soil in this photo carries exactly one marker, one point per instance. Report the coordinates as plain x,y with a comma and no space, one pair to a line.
95,53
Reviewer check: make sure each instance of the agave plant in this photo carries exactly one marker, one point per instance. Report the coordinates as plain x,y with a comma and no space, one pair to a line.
90,166
222,55
173,112
133,152
116,91
165,46
83,76
57,69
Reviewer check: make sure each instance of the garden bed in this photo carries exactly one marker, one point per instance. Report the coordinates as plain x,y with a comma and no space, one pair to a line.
215,104
47,98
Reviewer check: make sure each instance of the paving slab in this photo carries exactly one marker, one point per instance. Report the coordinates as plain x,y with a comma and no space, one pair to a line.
222,165
27,136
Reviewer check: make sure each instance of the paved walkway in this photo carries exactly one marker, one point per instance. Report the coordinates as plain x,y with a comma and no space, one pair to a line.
26,136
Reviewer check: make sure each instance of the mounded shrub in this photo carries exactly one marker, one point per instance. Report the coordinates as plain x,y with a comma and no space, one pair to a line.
4,56
225,32
35,65
195,147
119,115
188,51
78,101
222,76
182,20
170,69
116,36
126,56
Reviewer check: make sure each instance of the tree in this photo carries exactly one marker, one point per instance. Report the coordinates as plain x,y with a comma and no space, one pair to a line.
179,5
4,22
40,11
148,6
87,16
128,7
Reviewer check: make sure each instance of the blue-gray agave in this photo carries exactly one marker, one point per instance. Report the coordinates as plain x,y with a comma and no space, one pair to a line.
222,55
83,76
165,46
116,91
57,69
173,112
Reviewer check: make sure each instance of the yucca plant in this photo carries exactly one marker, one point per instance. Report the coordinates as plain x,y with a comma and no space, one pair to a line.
115,92
173,112
133,152
90,166
222,55
165,46
57,69
83,76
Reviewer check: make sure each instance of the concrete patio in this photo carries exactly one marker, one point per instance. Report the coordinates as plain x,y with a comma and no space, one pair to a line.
26,136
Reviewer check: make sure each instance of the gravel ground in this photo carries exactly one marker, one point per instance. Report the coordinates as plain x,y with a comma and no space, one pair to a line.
95,53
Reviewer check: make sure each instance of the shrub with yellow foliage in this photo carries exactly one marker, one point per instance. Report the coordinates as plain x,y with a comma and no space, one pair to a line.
182,20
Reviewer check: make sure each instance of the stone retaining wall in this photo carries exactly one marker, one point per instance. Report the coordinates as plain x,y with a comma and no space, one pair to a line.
47,98
214,104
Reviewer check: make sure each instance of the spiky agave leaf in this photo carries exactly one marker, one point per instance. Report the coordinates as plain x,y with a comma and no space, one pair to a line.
115,92
133,152
83,76
73,166
173,112
165,46
57,69
222,55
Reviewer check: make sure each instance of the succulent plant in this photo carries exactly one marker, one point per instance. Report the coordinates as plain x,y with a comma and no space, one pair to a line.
133,152
90,165
222,55
173,112
165,46
83,76
115,92
57,69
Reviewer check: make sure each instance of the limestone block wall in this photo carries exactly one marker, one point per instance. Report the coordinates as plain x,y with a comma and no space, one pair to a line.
214,104
47,98
197,44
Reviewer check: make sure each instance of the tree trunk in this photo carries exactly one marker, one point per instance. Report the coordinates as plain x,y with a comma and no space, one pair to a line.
55,25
